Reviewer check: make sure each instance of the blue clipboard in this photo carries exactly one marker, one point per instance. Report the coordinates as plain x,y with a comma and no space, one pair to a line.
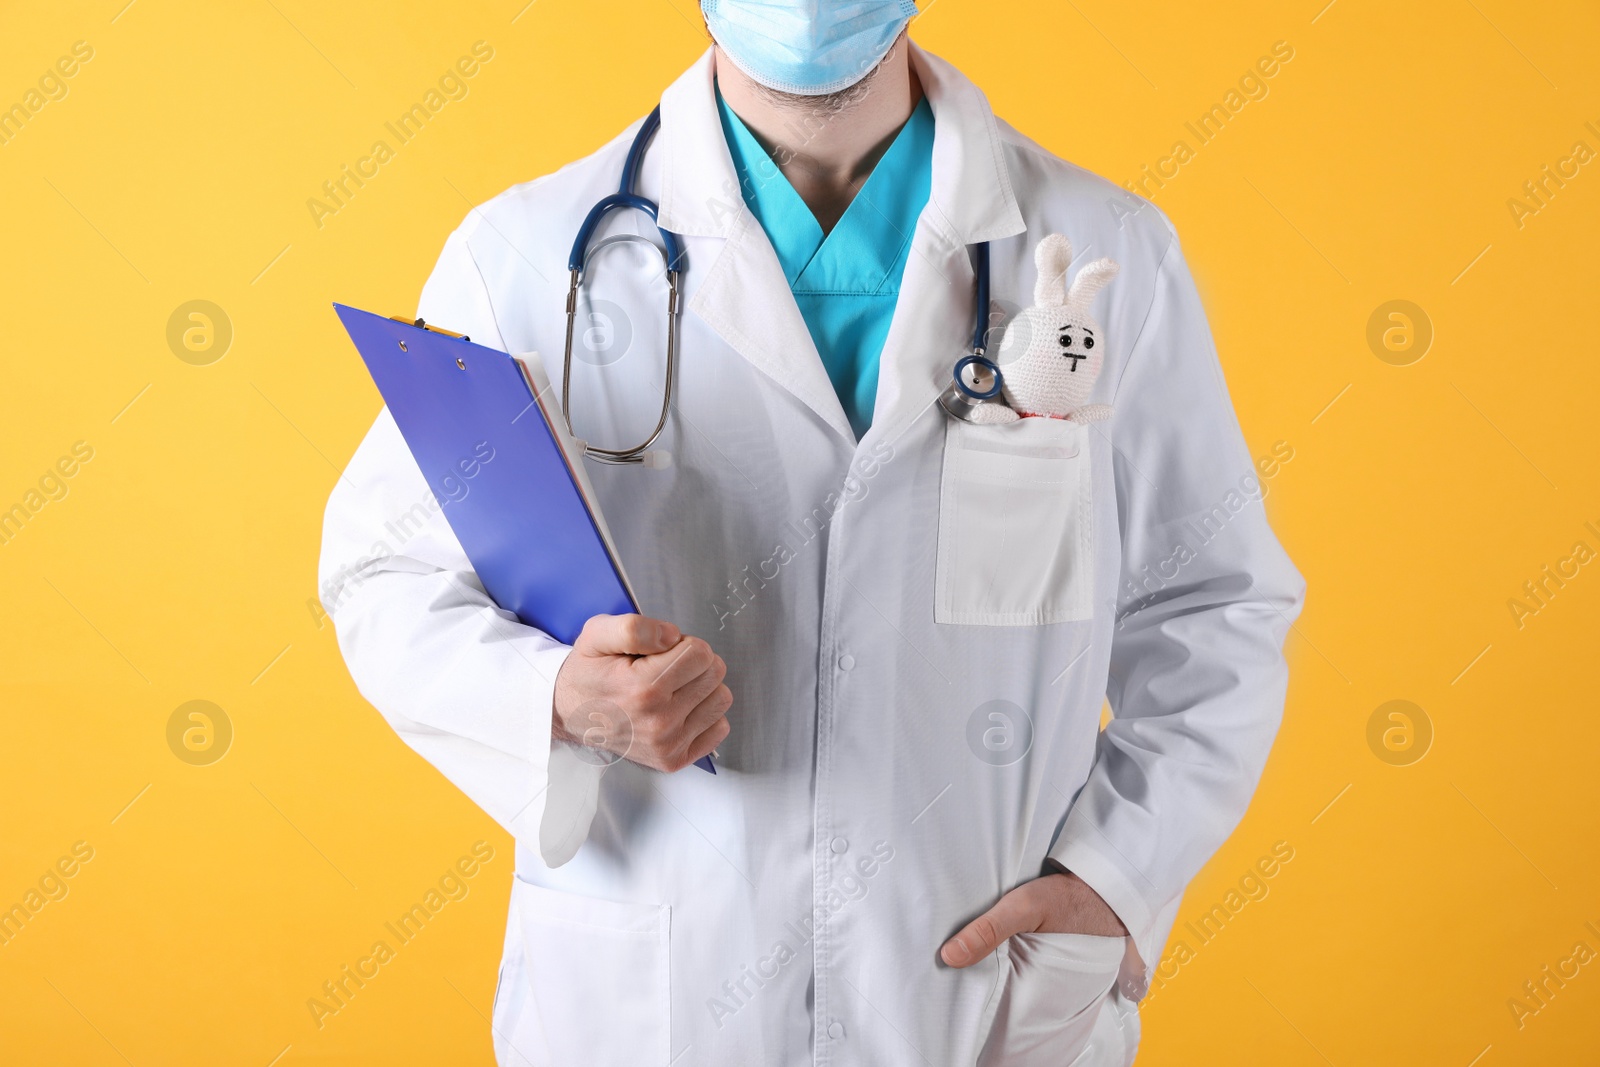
494,450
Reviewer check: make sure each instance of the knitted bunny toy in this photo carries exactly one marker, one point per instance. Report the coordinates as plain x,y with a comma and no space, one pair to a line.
1051,353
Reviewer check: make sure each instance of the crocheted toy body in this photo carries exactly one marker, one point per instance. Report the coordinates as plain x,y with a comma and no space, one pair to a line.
1051,353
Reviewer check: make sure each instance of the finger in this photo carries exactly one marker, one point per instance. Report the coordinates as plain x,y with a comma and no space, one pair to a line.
1014,913
669,671
708,741
689,695
708,711
626,635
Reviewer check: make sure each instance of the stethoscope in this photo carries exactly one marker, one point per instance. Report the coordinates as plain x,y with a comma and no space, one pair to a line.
975,381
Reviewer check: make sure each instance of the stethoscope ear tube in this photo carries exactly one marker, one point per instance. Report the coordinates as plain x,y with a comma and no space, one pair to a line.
625,197
580,246
638,453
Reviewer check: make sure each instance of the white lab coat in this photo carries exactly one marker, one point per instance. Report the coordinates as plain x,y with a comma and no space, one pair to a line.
920,629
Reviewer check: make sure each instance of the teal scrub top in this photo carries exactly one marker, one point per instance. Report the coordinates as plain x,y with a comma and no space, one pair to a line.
845,283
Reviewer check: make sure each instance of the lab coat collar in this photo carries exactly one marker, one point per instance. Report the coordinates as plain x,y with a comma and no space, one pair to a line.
743,295
699,187
971,185
971,193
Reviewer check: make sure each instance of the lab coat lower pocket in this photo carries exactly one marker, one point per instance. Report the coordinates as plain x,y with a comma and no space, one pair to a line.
1015,524
1053,997
597,979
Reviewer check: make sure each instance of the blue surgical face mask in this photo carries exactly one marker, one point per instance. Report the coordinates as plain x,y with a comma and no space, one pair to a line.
807,47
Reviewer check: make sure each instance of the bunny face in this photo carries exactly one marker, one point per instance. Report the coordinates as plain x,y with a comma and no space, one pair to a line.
1051,353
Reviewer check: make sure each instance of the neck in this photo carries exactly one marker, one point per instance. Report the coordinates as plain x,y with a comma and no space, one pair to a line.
826,146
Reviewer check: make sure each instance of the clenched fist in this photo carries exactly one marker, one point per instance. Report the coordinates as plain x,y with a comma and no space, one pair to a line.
639,688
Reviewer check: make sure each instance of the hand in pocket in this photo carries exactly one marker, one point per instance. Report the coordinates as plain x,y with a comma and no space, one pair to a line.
1054,904
1066,949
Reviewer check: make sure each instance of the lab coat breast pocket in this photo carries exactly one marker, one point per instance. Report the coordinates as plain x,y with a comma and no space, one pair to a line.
597,980
1015,524
1054,996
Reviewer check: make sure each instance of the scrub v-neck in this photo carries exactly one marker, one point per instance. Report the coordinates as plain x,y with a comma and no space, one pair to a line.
845,282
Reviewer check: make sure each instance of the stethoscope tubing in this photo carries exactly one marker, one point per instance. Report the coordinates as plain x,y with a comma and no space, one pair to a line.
626,199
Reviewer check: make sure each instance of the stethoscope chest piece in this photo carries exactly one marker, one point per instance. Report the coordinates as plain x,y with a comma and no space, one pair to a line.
976,382
976,379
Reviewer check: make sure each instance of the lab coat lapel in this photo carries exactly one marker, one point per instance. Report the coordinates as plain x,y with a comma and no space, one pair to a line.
741,293
971,200
931,329
745,298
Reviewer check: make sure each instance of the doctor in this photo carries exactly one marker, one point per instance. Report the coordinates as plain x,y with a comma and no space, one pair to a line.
896,629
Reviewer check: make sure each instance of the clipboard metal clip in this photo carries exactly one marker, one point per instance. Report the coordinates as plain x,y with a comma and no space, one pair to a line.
419,324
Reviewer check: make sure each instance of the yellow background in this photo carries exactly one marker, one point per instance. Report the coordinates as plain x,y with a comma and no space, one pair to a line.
180,564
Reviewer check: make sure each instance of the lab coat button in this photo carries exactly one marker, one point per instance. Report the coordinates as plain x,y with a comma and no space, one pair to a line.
846,661
836,1031
840,844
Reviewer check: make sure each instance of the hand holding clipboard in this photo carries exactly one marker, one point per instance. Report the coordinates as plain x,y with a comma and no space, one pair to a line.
529,522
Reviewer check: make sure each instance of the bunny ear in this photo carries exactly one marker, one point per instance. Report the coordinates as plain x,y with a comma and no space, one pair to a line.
1090,280
1052,257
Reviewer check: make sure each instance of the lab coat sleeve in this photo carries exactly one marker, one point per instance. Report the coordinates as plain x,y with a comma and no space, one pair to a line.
462,681
1205,600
